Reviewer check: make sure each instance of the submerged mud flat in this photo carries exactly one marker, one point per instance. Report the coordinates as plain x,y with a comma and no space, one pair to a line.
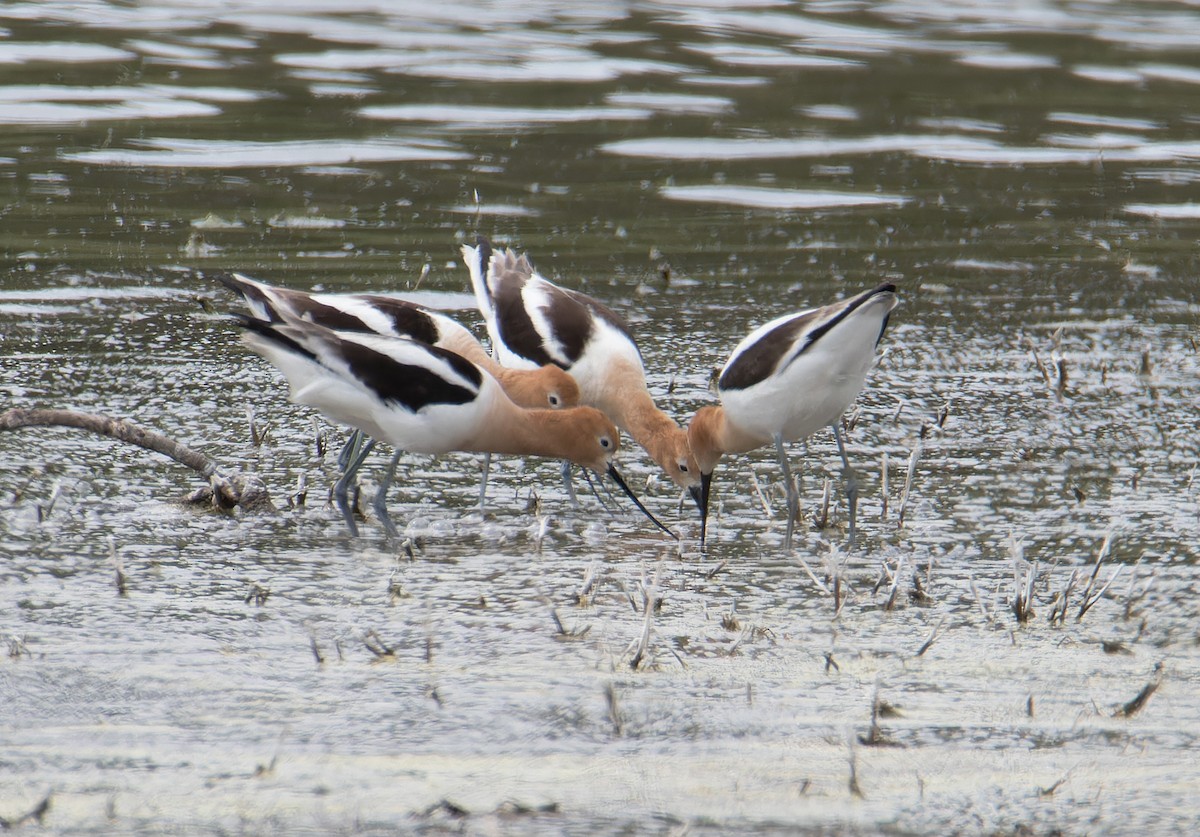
540,668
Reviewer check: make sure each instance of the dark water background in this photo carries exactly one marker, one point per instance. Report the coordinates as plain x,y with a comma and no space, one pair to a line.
1025,173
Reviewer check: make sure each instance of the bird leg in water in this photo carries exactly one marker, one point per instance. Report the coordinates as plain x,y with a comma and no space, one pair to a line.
350,449
341,489
569,485
487,469
851,480
793,496
380,502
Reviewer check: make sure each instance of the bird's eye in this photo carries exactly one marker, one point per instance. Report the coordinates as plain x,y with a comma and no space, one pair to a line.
605,442
683,467
554,400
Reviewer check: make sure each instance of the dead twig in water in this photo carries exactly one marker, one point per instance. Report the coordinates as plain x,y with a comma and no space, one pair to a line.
1131,708
875,736
908,478
1024,574
1041,367
1058,608
651,601
614,710
1089,598
933,635
377,647
563,632
883,487
583,597
855,788
225,492
118,567
37,814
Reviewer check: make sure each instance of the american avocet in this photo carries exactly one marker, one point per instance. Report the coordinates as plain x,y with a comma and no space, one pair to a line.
533,322
541,387
425,399
538,388
786,380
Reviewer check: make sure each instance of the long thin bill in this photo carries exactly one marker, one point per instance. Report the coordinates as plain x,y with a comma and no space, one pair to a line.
700,494
619,480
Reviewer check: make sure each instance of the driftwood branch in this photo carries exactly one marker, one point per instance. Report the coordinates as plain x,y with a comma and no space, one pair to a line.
226,492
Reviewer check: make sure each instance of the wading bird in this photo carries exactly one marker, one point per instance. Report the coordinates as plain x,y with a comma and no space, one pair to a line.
539,388
786,380
424,399
533,322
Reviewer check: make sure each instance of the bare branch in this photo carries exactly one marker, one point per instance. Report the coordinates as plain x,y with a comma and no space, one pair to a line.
247,491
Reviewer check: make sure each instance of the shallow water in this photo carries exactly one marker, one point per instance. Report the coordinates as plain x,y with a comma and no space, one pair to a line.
1026,176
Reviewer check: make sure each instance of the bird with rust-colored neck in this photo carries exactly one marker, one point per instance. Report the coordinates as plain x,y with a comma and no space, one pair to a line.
786,380
533,322
540,388
425,399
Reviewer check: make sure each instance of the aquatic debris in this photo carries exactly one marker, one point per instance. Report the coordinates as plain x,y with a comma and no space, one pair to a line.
17,648
382,651
908,477
224,492
1024,574
257,594
37,814
918,595
933,635
1131,708
583,596
1090,598
562,631
258,434
614,709
875,736
729,621
1050,790
883,487
395,590
651,602
447,808
299,497
118,567
886,575
320,437
855,788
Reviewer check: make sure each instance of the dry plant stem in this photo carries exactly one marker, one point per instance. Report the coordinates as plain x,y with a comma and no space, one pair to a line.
883,487
937,629
649,601
1134,706
614,709
1088,598
908,478
227,492
37,814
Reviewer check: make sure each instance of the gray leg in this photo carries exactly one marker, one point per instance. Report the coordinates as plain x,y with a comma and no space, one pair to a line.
350,450
568,484
851,480
793,496
487,469
341,489
380,502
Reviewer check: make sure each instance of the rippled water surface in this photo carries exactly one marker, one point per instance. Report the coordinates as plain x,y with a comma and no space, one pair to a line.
1025,173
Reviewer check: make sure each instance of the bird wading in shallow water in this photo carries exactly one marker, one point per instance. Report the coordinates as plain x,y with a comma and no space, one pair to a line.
538,388
786,380
533,322
425,399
